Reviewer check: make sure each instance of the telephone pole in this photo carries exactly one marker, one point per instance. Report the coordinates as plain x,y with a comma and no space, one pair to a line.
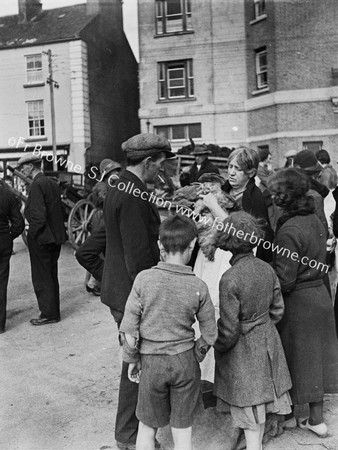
52,84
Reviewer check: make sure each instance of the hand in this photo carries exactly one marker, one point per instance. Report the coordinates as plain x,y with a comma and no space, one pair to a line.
210,201
134,372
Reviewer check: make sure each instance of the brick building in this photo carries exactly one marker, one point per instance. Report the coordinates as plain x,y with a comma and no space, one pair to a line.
97,101
231,72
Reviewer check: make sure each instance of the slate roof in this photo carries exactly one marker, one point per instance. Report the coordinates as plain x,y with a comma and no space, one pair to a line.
51,25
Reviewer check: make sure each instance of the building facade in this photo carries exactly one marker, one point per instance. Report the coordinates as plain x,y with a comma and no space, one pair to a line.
232,72
83,52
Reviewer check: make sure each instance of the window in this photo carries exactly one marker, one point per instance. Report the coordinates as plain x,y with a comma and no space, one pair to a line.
259,8
175,80
313,146
173,16
261,68
36,119
34,68
180,132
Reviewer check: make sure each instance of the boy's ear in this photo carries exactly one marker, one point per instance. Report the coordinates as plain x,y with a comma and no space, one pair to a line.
192,243
160,246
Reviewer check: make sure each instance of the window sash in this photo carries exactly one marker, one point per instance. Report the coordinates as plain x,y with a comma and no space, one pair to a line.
36,119
180,132
259,8
34,68
261,69
172,16
175,80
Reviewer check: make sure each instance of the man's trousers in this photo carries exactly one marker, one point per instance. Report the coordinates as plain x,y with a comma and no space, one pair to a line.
44,269
6,248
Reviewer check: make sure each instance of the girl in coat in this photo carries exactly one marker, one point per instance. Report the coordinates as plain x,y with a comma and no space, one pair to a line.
251,374
307,329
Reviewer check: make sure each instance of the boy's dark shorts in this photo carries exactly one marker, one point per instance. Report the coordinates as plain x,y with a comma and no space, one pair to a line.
169,390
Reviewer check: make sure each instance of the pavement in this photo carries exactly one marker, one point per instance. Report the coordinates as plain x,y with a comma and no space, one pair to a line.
59,382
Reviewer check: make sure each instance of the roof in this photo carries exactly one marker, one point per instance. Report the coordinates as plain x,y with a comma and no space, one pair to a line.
51,25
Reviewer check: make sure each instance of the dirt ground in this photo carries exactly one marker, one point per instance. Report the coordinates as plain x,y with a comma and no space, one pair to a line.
59,382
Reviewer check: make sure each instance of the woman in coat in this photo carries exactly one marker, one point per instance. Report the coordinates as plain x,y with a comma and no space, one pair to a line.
307,329
251,374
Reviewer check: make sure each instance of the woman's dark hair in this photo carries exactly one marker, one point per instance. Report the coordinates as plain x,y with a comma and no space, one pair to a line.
176,233
288,188
323,157
263,153
241,233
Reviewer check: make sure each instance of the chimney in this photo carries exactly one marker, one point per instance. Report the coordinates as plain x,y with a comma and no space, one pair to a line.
93,7
28,9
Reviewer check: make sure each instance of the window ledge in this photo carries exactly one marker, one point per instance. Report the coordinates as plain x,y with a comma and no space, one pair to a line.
36,139
258,19
260,91
174,100
174,33
37,84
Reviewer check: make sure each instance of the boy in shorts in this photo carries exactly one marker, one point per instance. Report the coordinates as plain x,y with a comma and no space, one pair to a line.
158,336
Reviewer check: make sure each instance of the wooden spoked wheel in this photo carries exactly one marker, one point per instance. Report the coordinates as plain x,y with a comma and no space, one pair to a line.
80,222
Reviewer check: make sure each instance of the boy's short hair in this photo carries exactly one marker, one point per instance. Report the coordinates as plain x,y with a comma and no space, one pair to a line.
247,158
176,233
251,230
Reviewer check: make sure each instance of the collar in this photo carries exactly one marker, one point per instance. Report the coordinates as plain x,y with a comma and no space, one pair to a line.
38,175
239,256
130,176
174,268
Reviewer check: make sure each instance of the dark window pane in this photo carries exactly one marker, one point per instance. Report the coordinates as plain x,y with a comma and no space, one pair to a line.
194,130
178,131
174,7
177,92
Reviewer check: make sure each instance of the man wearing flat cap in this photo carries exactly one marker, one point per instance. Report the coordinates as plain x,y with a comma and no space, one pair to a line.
132,224
45,235
200,166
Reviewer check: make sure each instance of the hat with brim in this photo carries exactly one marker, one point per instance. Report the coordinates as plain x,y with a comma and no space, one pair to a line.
147,144
291,153
307,161
211,178
200,150
28,159
108,165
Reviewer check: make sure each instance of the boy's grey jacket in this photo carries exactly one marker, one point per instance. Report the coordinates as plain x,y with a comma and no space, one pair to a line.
161,310
250,361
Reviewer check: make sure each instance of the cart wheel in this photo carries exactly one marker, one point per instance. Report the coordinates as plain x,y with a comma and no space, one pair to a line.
80,222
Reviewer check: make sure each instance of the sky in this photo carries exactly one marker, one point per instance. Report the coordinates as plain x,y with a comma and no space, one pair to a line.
8,7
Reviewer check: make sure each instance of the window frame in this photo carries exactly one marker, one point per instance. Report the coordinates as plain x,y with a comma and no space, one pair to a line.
169,134
259,9
36,80
167,84
162,17
40,118
261,70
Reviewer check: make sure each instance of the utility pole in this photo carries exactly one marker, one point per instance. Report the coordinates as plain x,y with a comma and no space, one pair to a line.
52,84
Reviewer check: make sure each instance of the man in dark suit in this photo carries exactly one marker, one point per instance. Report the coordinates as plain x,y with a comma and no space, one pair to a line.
132,223
200,166
11,226
45,235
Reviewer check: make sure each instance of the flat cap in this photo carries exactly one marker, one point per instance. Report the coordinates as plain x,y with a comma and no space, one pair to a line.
200,150
147,144
211,178
29,158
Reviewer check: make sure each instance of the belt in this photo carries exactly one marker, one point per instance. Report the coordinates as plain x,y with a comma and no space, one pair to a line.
248,325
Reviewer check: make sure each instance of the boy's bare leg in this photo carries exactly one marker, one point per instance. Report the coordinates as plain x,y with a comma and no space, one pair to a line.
182,438
145,437
254,438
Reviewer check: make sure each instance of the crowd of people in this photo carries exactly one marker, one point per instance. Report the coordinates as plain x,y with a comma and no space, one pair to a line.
198,299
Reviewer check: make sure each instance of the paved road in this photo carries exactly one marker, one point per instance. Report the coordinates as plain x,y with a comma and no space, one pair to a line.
59,383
